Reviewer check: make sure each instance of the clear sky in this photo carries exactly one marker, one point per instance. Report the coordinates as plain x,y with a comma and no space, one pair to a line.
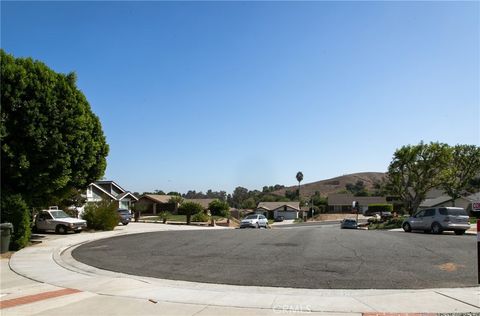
214,95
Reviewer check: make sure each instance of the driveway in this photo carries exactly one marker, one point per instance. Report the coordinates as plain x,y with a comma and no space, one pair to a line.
312,257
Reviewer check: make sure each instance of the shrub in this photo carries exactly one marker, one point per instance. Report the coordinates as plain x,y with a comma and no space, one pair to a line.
380,208
200,217
101,216
389,224
164,216
189,209
219,208
15,211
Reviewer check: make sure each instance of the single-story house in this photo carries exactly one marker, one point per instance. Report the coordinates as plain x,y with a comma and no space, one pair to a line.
289,210
445,201
155,203
342,202
111,191
203,202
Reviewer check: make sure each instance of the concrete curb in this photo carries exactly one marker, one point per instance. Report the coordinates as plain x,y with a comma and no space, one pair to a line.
51,262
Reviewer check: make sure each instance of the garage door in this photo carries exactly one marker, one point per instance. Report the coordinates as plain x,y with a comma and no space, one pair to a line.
287,215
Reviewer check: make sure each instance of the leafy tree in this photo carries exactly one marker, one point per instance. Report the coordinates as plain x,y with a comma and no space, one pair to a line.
174,193
473,185
416,169
463,166
249,203
239,195
219,208
357,189
51,140
291,195
189,209
177,200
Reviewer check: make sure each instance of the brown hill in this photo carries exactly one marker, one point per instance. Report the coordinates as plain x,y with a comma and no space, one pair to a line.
335,185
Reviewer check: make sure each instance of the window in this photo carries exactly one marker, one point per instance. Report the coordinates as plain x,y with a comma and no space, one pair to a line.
452,211
44,216
429,212
420,214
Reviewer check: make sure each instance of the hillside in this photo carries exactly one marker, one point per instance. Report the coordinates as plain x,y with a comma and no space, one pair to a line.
334,185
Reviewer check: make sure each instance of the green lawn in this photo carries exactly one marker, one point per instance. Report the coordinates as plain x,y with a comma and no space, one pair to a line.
473,220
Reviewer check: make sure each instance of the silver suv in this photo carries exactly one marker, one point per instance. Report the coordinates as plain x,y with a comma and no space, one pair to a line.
437,220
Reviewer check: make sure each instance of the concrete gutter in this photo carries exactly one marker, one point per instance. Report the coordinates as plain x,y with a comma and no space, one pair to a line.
51,262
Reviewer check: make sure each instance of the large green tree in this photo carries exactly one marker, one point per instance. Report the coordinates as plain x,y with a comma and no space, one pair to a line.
463,167
415,170
51,141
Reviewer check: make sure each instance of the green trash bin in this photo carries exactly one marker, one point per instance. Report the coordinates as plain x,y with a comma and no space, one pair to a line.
6,230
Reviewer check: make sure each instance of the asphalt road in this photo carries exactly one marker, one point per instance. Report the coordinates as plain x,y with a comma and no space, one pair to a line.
322,256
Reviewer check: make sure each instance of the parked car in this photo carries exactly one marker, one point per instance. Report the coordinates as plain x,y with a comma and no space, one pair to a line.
125,216
437,220
254,221
279,218
57,220
349,224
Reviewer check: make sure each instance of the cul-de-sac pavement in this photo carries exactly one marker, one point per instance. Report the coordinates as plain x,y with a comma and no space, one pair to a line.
144,269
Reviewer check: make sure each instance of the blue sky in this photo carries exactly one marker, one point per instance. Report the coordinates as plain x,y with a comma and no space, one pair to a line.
214,95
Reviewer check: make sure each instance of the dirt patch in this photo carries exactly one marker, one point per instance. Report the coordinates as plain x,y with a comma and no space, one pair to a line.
450,266
7,255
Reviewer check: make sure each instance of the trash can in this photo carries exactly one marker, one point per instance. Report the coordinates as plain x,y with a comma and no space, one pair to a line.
6,230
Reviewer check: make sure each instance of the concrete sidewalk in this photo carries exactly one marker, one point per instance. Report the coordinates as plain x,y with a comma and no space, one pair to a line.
45,280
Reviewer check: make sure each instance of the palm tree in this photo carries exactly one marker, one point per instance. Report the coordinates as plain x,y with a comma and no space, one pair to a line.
299,179
176,200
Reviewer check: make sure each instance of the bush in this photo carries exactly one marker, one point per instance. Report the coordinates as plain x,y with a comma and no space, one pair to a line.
164,216
189,209
390,224
380,208
15,211
200,217
219,208
101,216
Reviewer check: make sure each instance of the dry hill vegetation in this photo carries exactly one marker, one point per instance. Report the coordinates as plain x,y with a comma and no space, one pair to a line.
335,185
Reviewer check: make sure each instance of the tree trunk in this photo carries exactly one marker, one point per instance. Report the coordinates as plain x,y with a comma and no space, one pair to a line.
188,219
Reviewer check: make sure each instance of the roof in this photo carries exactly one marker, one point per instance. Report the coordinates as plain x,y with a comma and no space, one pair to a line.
157,198
102,190
473,197
445,198
275,205
203,202
124,194
347,199
110,182
436,201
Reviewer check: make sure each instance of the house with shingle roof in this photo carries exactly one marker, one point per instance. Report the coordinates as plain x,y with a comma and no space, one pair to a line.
109,190
342,202
289,210
155,203
464,202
